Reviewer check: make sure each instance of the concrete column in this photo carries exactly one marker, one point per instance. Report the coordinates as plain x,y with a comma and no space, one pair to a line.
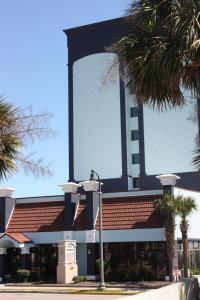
70,201
3,254
91,188
92,208
168,181
25,258
6,206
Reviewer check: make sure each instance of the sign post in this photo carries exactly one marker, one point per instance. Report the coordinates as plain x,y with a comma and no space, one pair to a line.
67,265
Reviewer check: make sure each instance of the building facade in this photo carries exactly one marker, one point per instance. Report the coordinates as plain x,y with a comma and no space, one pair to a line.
133,230
130,222
128,145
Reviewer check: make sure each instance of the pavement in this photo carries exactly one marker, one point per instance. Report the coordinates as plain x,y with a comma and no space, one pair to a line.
34,296
34,291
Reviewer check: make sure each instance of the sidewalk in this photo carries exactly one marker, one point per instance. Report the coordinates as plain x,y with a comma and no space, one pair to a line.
88,287
95,284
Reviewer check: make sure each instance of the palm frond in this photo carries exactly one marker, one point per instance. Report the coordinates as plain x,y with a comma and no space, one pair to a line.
164,37
196,159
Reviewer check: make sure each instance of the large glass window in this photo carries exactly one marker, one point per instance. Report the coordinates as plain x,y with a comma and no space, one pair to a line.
97,119
135,261
170,139
44,262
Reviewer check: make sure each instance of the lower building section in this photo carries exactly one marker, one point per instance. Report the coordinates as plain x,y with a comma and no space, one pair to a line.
129,261
41,261
123,261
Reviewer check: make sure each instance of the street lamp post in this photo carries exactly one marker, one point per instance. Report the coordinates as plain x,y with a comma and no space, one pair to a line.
102,285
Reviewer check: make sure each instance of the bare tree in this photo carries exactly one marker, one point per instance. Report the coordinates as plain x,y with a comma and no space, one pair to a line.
18,128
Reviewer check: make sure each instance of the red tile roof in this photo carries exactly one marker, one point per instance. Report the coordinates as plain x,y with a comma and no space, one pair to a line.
124,213
130,213
33,217
118,213
18,237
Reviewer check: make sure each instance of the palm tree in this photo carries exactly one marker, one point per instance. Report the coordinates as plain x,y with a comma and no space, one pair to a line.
185,207
168,208
9,142
17,127
161,53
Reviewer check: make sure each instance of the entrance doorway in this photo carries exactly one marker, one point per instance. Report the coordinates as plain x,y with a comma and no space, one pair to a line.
10,260
13,263
44,260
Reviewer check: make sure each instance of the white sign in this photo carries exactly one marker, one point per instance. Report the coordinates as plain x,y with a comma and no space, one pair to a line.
70,253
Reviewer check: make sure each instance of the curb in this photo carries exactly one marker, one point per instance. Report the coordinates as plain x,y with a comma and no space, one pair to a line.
66,292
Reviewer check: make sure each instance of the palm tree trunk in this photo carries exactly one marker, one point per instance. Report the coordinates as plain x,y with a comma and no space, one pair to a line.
184,229
196,72
170,244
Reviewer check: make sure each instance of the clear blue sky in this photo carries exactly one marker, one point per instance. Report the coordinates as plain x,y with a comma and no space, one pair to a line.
33,71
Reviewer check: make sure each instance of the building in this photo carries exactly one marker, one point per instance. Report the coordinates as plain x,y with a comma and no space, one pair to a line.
134,241
128,145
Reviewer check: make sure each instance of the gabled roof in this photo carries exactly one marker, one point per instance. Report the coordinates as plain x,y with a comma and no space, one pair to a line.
18,237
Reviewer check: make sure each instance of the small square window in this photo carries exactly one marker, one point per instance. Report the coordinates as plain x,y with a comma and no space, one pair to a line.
133,112
135,159
135,183
134,135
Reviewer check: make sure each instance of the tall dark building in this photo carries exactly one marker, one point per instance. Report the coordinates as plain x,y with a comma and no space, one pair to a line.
126,144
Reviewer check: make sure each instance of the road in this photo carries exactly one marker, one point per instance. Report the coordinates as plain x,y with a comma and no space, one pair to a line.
37,296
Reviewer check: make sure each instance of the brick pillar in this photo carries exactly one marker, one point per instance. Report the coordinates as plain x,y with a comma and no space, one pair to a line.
3,254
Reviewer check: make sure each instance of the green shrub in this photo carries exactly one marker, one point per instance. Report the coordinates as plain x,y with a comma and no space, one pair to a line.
194,272
98,264
77,279
82,278
22,275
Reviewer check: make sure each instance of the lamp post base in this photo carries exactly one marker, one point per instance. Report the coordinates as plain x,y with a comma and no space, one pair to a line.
102,286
